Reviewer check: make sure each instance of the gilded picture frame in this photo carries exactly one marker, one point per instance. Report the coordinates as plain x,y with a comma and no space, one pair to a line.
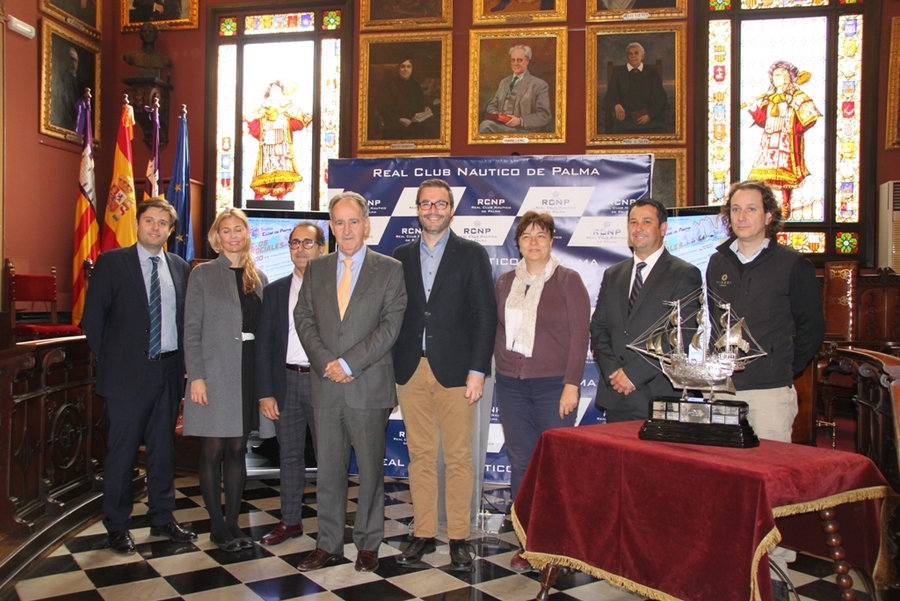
379,15
892,133
85,19
669,180
174,14
532,110
69,63
394,113
665,58
609,10
518,12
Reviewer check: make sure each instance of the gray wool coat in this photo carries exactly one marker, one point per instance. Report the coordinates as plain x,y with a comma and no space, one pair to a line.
212,345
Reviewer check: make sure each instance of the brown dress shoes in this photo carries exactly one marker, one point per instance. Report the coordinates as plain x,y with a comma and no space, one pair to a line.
367,561
281,533
319,559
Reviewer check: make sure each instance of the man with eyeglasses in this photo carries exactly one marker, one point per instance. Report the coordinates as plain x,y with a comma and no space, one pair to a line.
521,102
282,378
440,361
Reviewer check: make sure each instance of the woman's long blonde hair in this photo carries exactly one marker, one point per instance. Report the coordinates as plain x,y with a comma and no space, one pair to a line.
251,275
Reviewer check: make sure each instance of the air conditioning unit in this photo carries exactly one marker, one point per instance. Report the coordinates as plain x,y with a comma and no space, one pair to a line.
889,225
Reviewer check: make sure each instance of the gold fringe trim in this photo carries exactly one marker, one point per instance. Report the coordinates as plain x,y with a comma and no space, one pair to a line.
882,572
769,542
851,496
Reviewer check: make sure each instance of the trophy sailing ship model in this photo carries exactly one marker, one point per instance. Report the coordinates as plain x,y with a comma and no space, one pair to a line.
720,344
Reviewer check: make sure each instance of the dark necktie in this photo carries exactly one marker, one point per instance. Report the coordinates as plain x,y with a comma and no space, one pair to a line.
636,286
155,309
513,83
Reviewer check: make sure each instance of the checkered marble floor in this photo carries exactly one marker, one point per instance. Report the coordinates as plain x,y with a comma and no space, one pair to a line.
83,569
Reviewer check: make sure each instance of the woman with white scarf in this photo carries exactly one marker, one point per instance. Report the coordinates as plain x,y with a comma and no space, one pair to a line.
544,314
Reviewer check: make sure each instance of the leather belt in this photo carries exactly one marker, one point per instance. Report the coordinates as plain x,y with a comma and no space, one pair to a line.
303,369
161,356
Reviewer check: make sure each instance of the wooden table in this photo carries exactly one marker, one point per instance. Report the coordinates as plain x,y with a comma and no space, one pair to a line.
677,521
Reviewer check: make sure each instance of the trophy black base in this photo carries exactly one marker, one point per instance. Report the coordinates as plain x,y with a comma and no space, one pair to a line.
698,422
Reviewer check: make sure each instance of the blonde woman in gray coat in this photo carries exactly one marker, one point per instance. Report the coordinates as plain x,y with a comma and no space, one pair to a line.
222,308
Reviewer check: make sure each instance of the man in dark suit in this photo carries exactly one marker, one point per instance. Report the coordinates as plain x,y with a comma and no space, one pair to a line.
348,318
636,95
440,360
133,319
282,378
632,298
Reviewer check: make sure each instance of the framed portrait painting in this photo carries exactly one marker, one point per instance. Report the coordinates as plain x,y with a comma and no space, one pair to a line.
892,135
627,10
669,180
405,14
517,12
517,86
83,15
69,64
635,83
404,91
165,14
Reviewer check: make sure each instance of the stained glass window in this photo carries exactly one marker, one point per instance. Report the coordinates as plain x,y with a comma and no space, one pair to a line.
284,23
786,104
766,4
278,109
847,243
331,19
719,116
228,26
806,242
848,122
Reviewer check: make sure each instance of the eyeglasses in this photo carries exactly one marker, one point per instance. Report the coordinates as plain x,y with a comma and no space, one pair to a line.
305,243
440,205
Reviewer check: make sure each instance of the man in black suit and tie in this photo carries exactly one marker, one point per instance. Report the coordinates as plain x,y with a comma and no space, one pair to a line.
348,318
440,360
632,297
282,378
636,95
133,319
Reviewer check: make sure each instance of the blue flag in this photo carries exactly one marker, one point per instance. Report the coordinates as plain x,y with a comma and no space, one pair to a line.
179,193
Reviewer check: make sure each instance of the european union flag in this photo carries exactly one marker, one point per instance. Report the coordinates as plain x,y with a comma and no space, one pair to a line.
179,193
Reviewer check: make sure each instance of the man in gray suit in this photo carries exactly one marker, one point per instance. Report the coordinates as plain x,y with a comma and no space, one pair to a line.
348,317
521,102
632,298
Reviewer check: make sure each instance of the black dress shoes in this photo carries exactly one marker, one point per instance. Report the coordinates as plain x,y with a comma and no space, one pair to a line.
417,549
281,533
121,542
232,545
460,558
173,531
366,561
319,559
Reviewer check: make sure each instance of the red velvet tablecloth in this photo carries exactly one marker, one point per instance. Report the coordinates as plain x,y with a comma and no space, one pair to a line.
678,521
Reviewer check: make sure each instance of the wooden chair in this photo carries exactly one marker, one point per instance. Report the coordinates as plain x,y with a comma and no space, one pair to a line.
34,289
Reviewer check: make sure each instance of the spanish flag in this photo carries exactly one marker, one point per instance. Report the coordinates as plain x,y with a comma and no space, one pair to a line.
87,231
121,208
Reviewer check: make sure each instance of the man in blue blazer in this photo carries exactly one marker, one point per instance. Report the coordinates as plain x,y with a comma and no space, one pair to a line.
348,318
134,320
282,378
633,296
441,359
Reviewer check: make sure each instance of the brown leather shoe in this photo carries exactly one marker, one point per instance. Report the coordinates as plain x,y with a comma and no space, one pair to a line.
367,561
319,559
281,533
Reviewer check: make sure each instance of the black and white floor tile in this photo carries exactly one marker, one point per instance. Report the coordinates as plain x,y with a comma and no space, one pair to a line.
82,569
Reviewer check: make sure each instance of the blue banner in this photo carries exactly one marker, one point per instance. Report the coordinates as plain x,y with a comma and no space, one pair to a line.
588,197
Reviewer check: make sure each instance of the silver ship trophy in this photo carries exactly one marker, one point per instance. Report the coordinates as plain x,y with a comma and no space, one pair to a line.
720,344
